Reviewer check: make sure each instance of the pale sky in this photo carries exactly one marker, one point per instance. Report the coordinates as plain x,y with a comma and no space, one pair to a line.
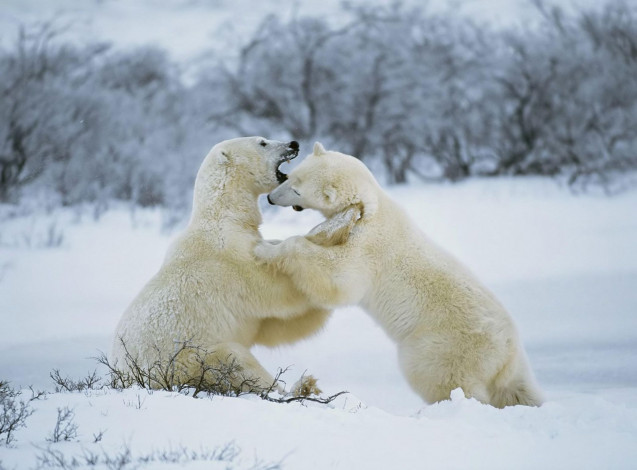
187,27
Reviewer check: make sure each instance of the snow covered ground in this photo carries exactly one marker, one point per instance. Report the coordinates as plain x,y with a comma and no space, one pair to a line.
565,266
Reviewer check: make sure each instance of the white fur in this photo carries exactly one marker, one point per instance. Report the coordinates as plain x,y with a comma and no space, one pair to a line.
449,329
210,291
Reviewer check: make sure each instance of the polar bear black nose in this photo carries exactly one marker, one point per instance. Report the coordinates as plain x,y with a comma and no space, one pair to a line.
294,145
270,200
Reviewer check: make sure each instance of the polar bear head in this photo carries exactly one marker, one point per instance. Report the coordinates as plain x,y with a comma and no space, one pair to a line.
329,182
252,162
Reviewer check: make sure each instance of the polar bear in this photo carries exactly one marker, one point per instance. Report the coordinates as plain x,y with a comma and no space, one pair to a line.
210,292
449,329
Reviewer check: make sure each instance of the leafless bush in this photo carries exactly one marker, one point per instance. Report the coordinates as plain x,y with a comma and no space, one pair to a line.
13,411
172,373
210,377
417,93
434,95
97,437
65,428
65,384
125,459
138,403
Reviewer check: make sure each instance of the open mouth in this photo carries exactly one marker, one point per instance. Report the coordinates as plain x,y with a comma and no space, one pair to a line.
297,208
285,158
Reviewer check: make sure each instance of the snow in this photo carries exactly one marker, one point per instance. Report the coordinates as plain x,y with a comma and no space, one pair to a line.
564,264
574,431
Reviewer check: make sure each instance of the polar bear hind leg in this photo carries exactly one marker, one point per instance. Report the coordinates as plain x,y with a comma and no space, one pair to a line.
515,385
434,384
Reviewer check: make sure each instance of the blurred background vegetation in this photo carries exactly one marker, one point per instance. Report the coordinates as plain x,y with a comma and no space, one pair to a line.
416,95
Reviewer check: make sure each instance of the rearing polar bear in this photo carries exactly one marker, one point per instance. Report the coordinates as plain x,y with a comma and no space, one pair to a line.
210,292
450,330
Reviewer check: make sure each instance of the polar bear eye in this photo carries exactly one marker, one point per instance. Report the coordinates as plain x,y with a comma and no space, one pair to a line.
263,143
296,192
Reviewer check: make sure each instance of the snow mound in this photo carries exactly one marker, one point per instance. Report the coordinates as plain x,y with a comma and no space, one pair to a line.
572,431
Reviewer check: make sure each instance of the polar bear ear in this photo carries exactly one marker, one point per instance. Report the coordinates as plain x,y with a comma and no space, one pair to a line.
330,193
318,148
224,157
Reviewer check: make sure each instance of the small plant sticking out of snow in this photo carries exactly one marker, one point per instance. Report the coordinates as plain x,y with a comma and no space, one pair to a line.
13,411
188,370
65,384
124,458
65,428
138,403
97,436
193,370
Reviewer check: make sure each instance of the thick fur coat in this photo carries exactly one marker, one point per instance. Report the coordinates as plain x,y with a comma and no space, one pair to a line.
449,329
210,292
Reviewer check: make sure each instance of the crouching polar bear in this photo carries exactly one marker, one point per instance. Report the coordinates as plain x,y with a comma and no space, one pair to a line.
210,292
450,330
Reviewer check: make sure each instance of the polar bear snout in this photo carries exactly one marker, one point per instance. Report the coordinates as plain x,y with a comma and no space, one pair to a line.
284,195
272,203
291,152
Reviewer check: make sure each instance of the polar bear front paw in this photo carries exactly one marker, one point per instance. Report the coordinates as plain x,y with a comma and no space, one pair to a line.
306,387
